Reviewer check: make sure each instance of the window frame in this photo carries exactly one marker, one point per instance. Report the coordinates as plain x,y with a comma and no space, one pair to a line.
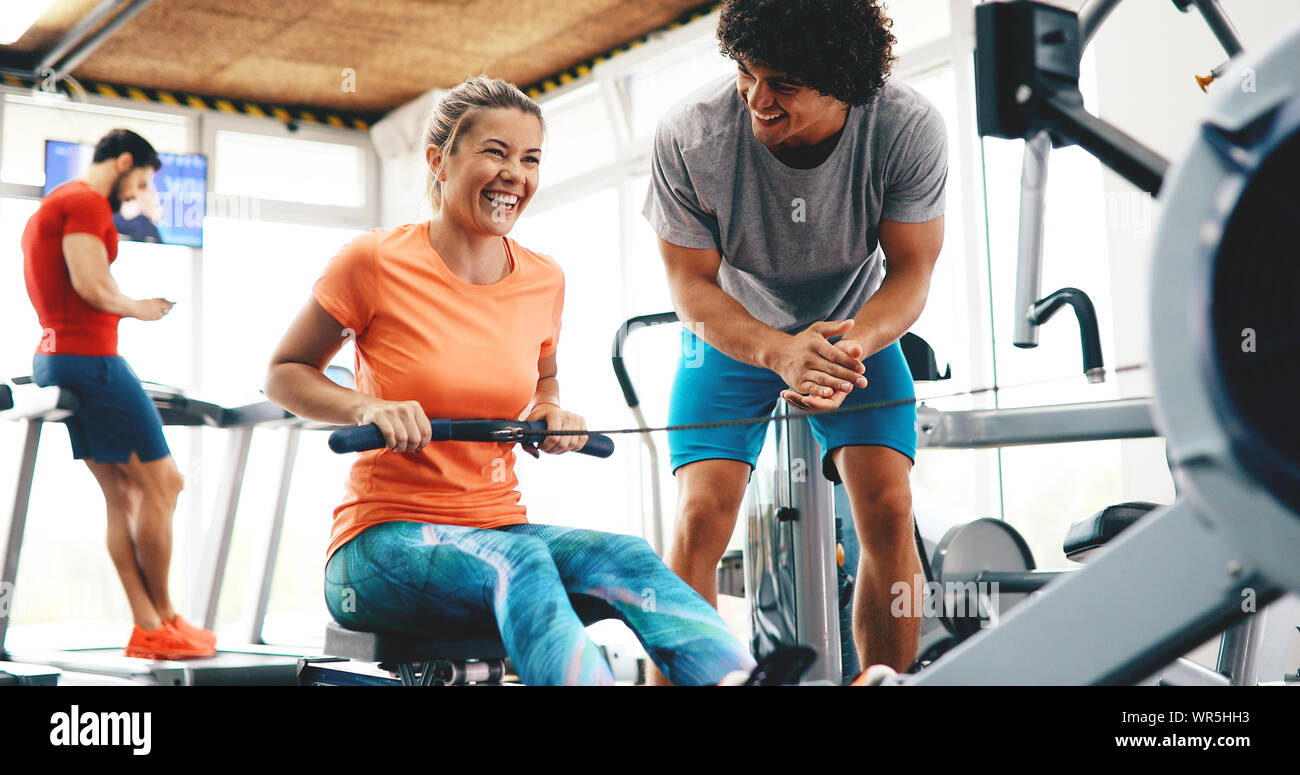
364,216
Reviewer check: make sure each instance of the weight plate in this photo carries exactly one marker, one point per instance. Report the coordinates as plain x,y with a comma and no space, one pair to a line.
982,545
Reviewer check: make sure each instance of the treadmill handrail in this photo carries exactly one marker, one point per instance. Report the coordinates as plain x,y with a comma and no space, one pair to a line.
257,413
45,404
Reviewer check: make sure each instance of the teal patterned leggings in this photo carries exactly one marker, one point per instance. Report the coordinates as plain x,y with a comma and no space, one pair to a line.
531,583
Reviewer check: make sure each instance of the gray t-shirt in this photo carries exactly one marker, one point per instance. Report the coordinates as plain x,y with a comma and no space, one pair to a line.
798,246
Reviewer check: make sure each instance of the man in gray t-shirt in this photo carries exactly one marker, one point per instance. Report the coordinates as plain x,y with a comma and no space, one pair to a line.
780,196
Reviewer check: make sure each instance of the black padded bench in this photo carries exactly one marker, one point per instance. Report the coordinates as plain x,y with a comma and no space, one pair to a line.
432,659
1088,535
415,660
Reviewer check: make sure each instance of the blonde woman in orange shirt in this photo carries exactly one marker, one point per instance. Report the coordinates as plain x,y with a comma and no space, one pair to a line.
452,318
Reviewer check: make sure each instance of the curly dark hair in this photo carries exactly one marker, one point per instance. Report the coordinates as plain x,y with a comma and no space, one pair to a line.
841,48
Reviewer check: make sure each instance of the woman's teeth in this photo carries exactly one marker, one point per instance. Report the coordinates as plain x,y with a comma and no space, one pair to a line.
500,200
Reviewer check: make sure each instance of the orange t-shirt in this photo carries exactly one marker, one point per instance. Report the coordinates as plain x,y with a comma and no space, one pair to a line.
461,350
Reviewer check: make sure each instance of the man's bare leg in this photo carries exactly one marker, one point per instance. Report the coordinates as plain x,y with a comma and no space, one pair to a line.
878,484
122,498
160,483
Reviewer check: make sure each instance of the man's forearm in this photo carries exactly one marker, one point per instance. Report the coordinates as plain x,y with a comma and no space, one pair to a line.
717,318
117,303
891,310
106,297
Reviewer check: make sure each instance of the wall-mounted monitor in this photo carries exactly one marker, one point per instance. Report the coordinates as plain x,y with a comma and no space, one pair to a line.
173,215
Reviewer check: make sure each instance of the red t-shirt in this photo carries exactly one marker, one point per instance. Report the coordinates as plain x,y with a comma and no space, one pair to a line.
69,326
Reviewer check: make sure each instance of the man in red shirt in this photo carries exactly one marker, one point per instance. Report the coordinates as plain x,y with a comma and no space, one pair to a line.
68,246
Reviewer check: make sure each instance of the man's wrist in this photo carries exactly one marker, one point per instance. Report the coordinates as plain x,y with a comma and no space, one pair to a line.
860,341
867,337
769,344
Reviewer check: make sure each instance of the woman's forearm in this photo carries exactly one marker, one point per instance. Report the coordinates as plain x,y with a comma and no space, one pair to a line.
305,390
547,392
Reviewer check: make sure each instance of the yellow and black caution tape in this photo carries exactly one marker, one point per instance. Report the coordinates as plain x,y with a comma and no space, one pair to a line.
359,121
583,69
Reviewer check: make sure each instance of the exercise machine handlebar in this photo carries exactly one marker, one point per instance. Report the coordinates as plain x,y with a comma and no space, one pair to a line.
1089,335
367,437
620,342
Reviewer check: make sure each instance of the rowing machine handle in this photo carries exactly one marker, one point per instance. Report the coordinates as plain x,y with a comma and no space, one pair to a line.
366,437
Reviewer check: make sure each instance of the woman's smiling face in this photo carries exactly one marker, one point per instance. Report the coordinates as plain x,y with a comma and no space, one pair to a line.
492,173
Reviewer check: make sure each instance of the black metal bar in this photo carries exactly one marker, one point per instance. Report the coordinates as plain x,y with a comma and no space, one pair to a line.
1118,150
360,438
1089,335
620,339
1019,582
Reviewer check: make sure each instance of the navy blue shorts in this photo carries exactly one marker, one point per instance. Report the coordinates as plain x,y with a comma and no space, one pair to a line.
711,386
115,418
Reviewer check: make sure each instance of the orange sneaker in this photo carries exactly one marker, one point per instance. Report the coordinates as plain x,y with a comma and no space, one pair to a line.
166,642
196,634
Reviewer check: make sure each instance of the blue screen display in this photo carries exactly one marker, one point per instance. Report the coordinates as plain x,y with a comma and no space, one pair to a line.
176,218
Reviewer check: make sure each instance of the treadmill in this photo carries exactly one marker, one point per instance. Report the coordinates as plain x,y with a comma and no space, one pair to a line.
260,592
13,673
37,406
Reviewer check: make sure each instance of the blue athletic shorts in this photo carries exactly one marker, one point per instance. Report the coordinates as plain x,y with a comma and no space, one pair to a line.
711,386
115,417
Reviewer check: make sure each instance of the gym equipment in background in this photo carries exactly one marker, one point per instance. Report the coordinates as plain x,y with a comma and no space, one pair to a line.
986,555
1221,275
1012,115
37,406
